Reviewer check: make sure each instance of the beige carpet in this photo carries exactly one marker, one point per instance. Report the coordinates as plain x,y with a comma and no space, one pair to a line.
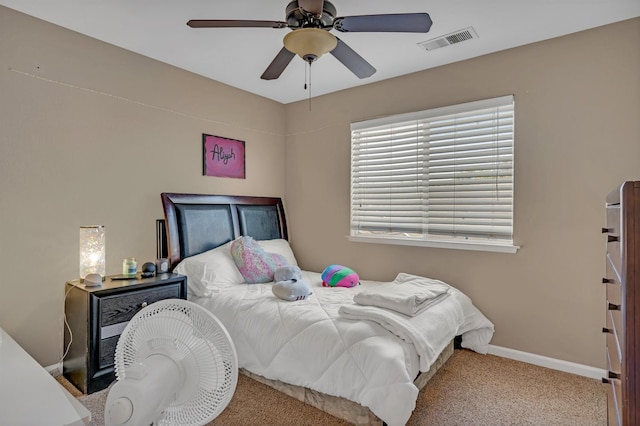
470,389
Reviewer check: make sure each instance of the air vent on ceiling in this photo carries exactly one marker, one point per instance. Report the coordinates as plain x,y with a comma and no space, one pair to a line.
449,39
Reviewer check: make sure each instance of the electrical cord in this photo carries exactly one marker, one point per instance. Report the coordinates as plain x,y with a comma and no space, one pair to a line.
66,351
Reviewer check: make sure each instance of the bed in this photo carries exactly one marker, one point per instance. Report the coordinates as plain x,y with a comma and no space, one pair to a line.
361,371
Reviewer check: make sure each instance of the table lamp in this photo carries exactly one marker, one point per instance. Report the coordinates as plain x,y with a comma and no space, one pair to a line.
92,254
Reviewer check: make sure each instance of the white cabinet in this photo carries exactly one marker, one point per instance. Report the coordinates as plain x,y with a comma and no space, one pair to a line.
31,396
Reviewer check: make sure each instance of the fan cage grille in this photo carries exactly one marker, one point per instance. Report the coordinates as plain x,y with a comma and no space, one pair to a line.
193,336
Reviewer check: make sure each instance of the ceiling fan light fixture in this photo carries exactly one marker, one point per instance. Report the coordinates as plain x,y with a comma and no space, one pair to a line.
310,43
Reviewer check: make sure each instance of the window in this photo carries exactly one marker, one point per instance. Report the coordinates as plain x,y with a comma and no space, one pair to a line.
441,177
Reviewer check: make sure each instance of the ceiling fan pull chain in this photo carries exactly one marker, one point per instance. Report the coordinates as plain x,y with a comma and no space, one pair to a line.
309,86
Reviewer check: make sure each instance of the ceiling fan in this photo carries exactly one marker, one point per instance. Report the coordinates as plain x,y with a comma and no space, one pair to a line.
311,21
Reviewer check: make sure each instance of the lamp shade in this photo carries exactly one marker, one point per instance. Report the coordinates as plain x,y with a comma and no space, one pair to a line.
92,250
310,43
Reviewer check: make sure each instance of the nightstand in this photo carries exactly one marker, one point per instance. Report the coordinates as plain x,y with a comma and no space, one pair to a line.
98,315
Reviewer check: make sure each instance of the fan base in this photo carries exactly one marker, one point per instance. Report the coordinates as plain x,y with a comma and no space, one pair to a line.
300,18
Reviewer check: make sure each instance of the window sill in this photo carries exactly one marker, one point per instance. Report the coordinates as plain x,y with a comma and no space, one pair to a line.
476,246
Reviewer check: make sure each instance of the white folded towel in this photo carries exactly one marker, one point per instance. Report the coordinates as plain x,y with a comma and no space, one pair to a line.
432,329
407,294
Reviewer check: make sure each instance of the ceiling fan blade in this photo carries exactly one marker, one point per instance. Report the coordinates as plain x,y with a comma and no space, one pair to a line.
278,65
312,6
353,61
399,22
233,23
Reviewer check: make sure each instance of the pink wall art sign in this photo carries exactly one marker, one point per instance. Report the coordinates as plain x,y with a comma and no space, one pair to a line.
222,157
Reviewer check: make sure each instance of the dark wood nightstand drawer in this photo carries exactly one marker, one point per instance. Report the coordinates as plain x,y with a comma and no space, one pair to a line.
107,351
122,307
116,311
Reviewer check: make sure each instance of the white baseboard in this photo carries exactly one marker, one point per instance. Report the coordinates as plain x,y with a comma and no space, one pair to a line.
543,361
529,358
55,370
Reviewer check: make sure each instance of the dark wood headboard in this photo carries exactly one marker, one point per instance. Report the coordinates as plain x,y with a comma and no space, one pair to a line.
196,223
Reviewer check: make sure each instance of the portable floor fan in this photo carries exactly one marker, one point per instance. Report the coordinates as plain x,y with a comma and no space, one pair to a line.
175,365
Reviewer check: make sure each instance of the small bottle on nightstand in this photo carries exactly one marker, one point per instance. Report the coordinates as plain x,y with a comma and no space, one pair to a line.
129,267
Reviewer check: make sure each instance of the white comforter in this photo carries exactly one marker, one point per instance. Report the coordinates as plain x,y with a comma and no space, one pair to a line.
307,343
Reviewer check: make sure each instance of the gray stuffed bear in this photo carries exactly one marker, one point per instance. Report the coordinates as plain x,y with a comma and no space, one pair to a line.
289,284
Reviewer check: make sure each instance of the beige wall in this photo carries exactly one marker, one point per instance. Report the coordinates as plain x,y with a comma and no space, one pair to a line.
577,137
92,134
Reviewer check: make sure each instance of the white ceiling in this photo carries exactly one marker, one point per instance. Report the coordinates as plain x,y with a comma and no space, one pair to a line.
157,29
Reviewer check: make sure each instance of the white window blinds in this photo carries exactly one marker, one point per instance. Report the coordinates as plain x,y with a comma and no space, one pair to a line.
440,174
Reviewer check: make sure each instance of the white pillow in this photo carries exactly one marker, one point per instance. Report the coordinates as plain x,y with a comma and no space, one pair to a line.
216,268
279,246
208,270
